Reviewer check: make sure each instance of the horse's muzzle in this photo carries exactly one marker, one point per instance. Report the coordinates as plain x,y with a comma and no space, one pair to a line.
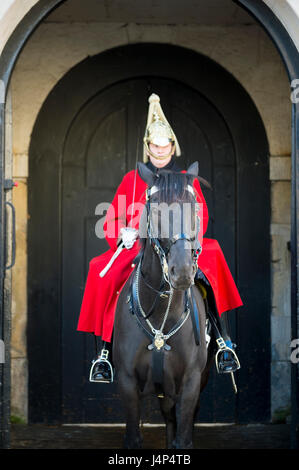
181,279
182,285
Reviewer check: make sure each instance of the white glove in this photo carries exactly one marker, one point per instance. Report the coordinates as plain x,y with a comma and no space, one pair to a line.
128,236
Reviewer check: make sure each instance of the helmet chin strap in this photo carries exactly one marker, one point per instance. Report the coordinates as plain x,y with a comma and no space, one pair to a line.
156,156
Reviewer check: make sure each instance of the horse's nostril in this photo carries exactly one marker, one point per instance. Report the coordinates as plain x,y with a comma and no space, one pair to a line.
172,270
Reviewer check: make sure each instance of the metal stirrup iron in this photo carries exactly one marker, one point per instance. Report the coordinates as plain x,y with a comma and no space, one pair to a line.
102,358
222,347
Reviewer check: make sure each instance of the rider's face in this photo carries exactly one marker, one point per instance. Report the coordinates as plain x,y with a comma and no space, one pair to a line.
161,151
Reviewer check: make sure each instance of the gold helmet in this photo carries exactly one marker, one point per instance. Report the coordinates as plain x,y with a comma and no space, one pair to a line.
158,130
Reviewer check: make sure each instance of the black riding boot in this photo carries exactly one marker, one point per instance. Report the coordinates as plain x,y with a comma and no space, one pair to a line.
226,358
102,370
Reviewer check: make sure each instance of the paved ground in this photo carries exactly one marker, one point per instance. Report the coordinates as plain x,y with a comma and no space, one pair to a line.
272,436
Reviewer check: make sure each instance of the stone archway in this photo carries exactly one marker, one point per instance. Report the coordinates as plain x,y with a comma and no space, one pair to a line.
279,35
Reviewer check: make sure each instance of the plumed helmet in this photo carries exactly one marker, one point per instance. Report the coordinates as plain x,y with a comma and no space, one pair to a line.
158,130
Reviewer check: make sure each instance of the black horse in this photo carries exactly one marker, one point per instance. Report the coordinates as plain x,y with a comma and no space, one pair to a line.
159,332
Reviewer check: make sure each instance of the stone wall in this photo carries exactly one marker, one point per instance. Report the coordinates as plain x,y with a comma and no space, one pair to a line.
280,175
11,13
248,54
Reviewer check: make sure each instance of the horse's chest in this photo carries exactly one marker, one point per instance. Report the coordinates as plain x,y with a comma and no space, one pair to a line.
167,369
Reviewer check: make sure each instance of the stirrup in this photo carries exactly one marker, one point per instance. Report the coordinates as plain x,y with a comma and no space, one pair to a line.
102,358
222,349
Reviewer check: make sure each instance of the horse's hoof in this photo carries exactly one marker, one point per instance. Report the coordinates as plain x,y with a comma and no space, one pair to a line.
178,445
133,444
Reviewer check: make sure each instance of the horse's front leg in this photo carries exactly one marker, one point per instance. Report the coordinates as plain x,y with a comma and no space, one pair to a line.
185,412
167,407
131,401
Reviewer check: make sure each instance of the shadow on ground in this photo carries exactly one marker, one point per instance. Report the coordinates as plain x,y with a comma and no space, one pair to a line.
270,436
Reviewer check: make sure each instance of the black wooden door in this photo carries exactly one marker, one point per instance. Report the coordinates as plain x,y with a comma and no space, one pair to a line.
83,141
101,146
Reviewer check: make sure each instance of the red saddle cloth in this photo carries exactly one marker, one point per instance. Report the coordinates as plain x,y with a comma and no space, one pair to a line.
101,293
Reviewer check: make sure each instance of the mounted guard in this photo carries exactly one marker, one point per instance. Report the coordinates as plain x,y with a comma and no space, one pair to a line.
109,272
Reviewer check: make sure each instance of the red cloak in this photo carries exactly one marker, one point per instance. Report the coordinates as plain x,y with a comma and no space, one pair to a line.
101,294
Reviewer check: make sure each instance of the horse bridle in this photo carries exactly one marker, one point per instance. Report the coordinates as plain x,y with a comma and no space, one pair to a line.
162,252
157,335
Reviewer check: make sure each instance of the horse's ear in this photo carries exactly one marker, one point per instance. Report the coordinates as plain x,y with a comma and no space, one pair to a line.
146,174
193,169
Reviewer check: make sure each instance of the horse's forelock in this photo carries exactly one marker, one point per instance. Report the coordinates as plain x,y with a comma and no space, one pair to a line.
172,187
